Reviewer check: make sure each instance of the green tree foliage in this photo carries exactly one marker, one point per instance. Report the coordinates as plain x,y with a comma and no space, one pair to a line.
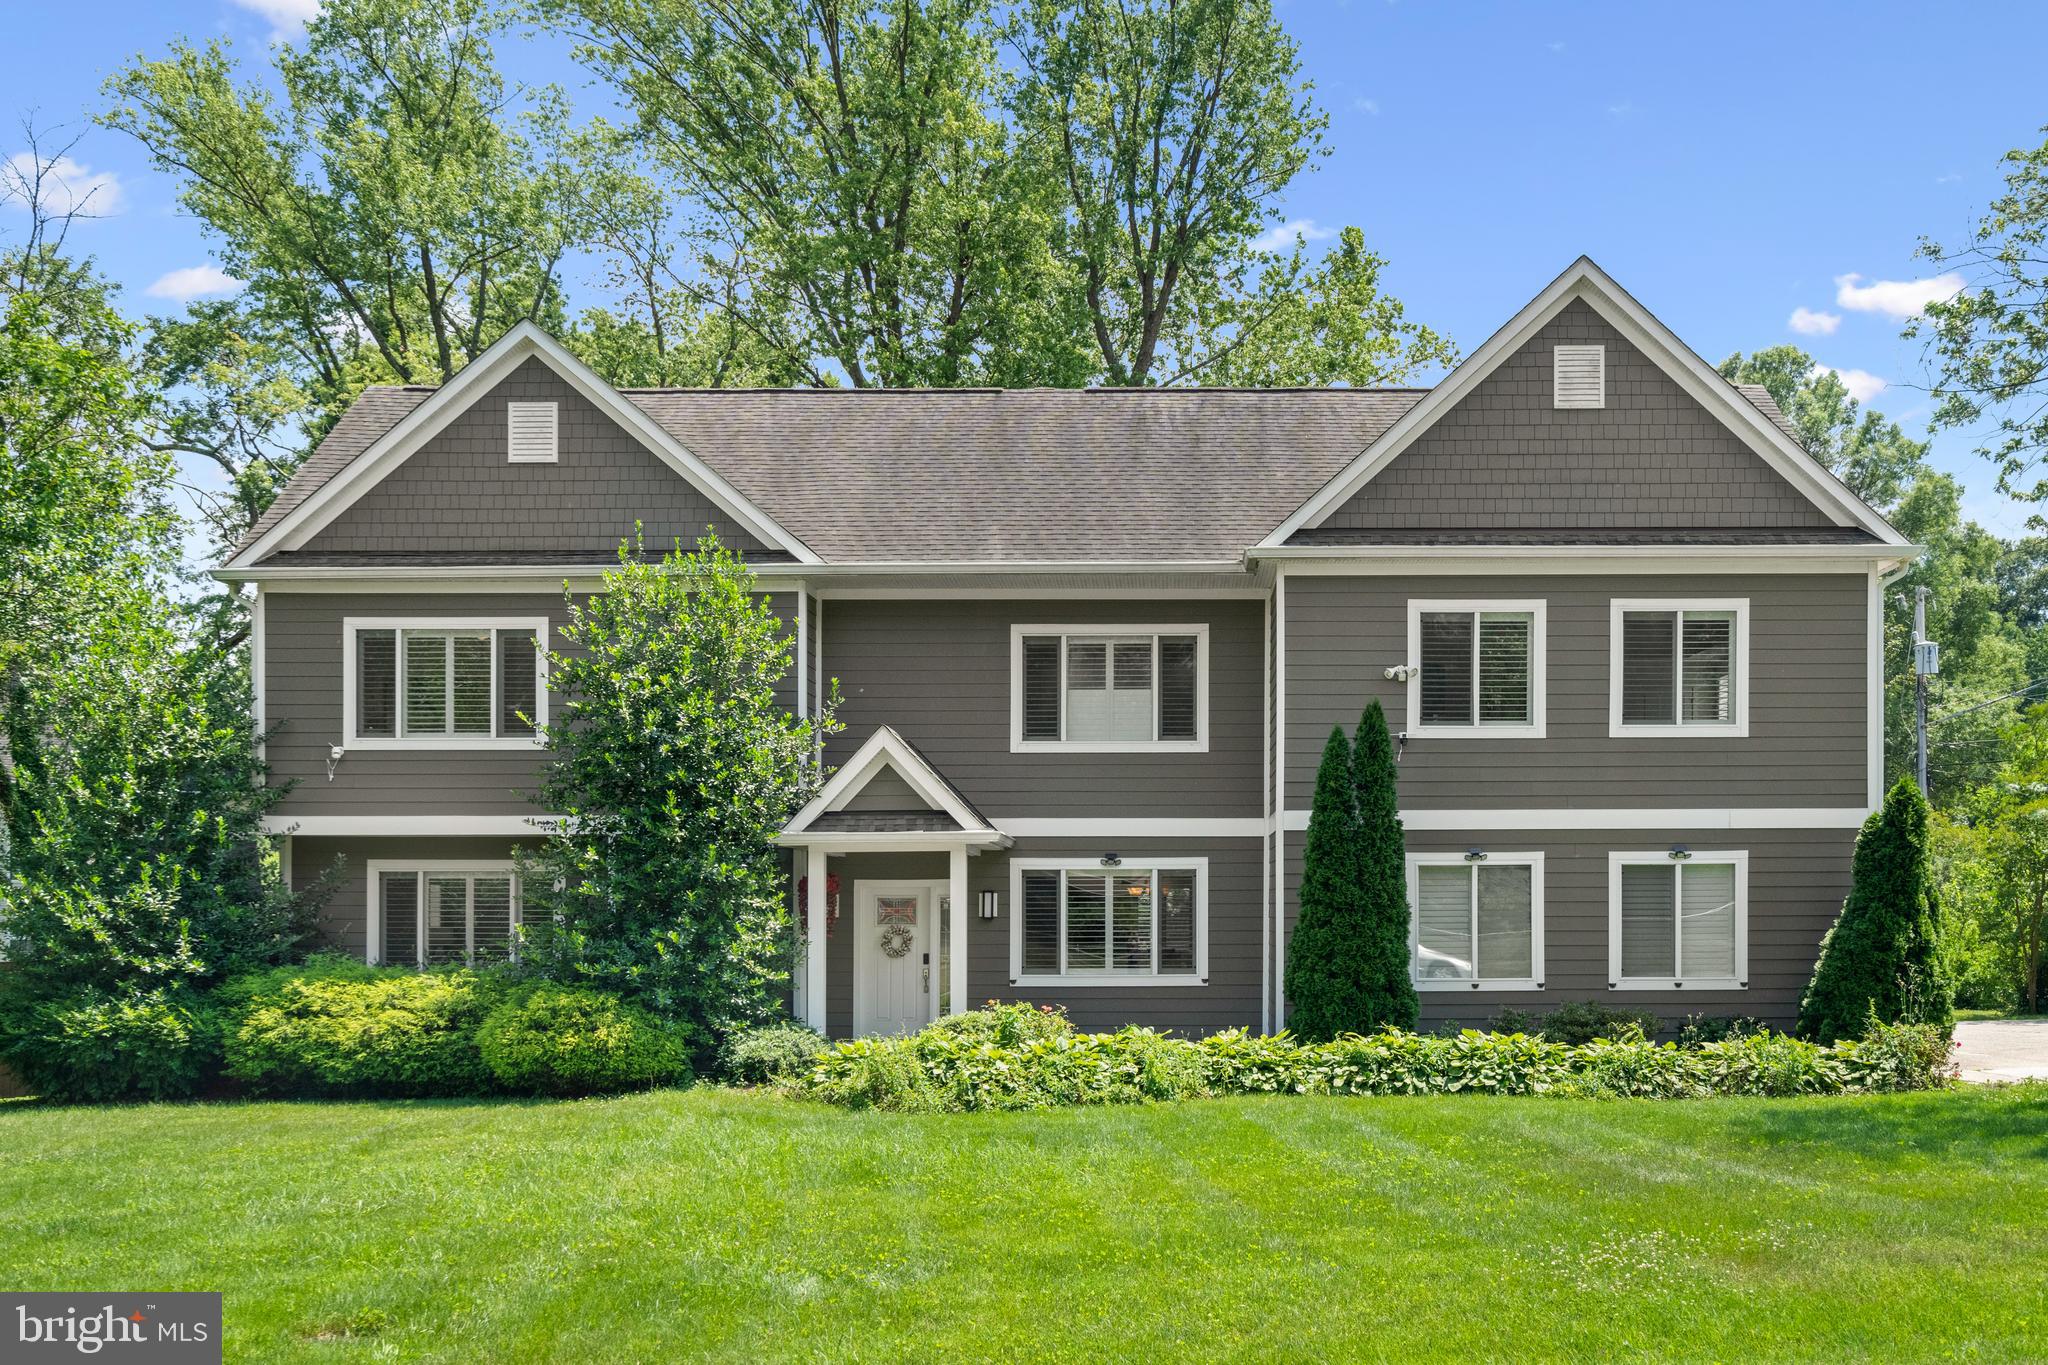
390,211
1866,450
675,765
1988,346
1389,988
1347,963
2000,868
1884,954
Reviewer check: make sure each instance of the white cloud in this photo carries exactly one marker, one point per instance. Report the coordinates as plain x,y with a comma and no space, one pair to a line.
1555,47
69,185
1622,109
1808,323
1895,298
194,282
1281,238
288,18
1366,106
1861,384
1953,178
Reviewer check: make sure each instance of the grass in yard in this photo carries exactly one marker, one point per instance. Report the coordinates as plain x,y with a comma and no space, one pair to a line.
720,1224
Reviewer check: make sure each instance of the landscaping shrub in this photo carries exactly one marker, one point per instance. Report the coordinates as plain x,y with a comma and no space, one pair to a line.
954,1068
1001,1025
1883,955
1580,1021
770,1053
98,1046
1716,1028
381,1031
558,1040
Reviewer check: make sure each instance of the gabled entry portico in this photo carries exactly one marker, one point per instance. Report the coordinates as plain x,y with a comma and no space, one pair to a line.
906,834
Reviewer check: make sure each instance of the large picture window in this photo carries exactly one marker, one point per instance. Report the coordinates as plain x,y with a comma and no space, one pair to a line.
1678,922
1680,668
435,914
443,684
1137,922
1481,669
1477,922
1109,689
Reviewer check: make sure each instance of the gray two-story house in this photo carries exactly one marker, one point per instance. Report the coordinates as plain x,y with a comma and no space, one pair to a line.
1091,644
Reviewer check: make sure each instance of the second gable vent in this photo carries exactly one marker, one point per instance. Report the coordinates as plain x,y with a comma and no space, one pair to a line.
531,432
1580,374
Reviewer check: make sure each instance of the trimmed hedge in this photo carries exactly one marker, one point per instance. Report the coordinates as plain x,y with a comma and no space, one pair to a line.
98,1047
948,1070
364,1031
563,1040
770,1053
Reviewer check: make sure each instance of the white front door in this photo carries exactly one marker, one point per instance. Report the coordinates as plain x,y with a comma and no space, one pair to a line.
892,957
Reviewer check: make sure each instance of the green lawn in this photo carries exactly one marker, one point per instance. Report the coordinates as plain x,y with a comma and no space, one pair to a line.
712,1223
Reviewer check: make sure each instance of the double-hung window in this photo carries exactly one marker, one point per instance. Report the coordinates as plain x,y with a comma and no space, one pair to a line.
1135,922
1678,921
443,684
1109,689
1481,669
1679,668
1477,922
431,914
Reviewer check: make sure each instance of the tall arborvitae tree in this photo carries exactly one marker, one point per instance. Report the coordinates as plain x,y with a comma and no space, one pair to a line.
1323,960
1883,955
1386,988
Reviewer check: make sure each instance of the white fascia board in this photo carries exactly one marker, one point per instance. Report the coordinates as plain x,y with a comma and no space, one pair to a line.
409,826
1441,820
886,746
1308,560
524,341
1585,280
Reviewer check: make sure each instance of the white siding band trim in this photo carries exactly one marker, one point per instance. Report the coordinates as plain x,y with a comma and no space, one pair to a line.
1571,818
1226,827
407,827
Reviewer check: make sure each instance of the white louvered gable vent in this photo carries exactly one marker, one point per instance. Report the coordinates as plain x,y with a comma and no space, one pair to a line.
1580,374
531,430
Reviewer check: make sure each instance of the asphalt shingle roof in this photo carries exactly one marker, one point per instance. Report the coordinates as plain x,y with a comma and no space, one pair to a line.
1102,475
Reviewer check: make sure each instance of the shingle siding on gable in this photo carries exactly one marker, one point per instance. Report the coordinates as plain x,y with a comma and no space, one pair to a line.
461,493
1505,456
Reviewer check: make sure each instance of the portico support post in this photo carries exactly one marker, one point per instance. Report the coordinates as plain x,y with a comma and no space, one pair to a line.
957,933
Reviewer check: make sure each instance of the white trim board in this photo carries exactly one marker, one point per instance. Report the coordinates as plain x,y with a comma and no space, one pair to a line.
1583,280
1737,728
886,748
523,342
409,826
1569,818
1138,827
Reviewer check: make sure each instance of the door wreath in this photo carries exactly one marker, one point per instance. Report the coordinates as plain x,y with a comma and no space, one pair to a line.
896,940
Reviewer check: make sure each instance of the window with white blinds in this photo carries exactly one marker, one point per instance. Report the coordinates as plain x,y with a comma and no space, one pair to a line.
443,684
1481,668
1680,668
1678,923
1109,688
1076,919
1477,922
438,915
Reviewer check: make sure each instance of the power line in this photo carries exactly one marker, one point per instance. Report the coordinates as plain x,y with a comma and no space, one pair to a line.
2004,696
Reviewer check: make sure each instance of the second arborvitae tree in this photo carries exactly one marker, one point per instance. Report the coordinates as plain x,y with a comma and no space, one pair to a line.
1883,956
1386,987
1347,965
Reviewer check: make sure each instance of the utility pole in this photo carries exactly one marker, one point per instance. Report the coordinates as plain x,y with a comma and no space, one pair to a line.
1924,663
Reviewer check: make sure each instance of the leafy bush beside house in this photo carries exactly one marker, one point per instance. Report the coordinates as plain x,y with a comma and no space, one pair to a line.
555,1040
398,1032
676,765
1883,957
773,1052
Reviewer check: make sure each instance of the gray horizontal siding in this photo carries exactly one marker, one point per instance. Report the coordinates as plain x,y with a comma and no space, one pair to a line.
939,672
341,865
1807,698
1229,1000
302,701
1797,879
460,492
1506,456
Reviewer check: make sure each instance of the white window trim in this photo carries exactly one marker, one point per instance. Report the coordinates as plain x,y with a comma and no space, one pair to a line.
373,921
1739,729
1534,861
1538,668
352,625
554,411
1616,981
1198,745
1112,980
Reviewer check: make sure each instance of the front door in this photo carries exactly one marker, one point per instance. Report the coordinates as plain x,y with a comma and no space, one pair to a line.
892,963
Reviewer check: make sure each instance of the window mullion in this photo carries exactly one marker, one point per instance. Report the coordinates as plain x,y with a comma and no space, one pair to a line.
400,725
1472,905
468,920
1677,675
421,917
1063,739
1154,876
1063,871
448,682
1157,690
492,636
1475,668
1678,921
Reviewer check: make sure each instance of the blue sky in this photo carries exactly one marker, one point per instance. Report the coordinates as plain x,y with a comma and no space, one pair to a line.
1731,165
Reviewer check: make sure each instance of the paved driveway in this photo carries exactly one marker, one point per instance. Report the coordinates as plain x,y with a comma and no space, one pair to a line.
2002,1049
